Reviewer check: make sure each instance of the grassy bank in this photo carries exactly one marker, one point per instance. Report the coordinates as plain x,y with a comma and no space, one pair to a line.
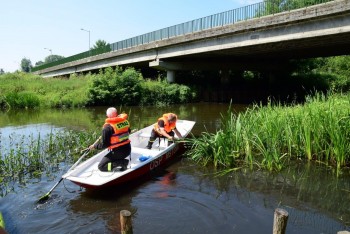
271,136
24,90
109,87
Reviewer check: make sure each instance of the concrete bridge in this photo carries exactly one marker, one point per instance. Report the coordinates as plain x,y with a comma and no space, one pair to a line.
255,44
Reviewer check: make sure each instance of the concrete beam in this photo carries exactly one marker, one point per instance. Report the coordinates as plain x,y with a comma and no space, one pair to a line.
202,65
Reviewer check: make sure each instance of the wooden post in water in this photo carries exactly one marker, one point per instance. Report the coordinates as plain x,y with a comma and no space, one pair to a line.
125,222
280,221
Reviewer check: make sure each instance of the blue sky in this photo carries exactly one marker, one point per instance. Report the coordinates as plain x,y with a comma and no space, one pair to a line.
29,26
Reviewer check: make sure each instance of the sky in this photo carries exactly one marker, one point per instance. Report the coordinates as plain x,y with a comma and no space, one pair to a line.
27,27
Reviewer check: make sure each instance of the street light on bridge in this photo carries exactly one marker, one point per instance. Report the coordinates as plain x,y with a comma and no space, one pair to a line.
89,35
48,50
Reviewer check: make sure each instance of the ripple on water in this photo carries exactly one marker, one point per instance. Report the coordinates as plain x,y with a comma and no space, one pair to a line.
199,210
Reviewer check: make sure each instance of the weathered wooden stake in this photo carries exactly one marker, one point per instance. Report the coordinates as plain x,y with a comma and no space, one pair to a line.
280,221
125,222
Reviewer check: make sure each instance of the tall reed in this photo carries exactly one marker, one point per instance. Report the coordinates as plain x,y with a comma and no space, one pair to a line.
27,157
272,135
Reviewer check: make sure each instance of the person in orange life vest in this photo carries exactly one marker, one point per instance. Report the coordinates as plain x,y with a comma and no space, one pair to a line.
115,137
165,127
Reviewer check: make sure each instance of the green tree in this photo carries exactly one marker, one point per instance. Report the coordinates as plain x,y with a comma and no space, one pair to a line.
276,6
1,71
53,58
99,44
26,65
339,68
39,63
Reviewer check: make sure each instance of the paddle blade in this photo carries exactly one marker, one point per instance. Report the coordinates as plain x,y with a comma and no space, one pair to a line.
44,198
47,195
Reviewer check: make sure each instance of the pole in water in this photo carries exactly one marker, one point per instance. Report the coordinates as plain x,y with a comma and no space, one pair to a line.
280,221
2,224
125,222
47,195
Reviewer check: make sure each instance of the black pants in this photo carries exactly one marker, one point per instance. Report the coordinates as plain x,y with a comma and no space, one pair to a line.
155,135
116,157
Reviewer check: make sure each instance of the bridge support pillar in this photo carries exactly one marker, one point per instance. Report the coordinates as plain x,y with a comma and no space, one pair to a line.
170,76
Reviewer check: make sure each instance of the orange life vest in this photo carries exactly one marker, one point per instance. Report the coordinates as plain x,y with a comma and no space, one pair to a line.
168,127
121,126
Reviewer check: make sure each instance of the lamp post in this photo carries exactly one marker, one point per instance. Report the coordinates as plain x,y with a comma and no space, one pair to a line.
89,35
48,50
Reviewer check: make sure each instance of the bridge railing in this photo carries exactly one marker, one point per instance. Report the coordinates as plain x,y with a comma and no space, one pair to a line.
256,10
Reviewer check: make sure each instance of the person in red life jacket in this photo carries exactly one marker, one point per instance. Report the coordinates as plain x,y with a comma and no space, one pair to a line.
115,137
165,127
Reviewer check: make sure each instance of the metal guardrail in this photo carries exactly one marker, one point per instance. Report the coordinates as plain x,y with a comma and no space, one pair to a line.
256,10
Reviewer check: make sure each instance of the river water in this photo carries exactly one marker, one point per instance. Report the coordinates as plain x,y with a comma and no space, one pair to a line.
181,198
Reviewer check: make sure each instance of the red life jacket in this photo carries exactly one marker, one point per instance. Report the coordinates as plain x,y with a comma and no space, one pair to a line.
168,127
121,126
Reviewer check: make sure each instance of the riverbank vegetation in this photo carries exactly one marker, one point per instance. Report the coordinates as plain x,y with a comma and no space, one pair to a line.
108,87
25,158
271,136
123,87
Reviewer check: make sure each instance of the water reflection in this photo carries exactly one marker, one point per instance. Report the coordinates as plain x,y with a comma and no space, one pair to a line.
206,115
101,207
306,191
11,136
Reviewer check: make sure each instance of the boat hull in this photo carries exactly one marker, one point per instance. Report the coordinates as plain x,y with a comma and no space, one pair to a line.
147,168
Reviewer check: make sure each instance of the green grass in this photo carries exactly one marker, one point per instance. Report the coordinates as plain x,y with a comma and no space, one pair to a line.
270,136
23,90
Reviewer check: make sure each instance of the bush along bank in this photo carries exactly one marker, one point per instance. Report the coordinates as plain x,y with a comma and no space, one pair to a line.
110,86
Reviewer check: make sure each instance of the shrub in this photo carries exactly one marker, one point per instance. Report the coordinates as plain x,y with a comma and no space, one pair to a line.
3,104
161,93
130,87
116,87
22,100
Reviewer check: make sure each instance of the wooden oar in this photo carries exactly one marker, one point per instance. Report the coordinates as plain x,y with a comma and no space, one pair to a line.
47,195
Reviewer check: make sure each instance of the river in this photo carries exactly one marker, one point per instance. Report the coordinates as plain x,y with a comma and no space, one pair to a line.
181,198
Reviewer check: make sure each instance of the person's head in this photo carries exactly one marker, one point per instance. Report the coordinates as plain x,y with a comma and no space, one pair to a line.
111,112
171,118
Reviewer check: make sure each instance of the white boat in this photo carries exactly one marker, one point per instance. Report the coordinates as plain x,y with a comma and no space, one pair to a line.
141,161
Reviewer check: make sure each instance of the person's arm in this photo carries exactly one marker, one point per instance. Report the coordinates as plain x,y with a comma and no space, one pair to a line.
178,133
105,142
163,132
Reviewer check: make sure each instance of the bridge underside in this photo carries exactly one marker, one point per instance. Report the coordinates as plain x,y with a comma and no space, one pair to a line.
262,48
259,57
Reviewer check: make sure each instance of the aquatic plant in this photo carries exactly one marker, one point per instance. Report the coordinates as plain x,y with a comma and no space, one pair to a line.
27,157
272,135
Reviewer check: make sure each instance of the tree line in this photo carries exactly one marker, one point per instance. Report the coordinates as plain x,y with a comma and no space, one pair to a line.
26,64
